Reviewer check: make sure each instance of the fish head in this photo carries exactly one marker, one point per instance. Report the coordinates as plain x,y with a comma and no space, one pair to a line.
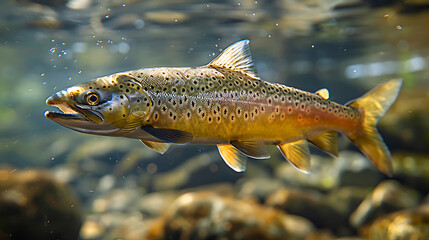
109,105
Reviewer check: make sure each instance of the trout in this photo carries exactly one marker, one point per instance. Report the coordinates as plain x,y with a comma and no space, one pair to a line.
225,103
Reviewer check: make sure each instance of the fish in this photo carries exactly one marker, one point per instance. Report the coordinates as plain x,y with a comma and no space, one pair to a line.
225,103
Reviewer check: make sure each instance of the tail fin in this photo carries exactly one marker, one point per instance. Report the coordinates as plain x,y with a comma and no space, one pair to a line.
373,105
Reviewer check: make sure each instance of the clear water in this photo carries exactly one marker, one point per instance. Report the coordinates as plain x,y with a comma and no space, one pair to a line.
346,46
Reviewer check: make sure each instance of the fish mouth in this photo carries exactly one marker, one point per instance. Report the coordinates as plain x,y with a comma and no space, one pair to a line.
79,119
67,113
71,112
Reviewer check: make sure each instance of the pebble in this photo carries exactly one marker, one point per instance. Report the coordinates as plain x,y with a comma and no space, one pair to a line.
91,229
205,215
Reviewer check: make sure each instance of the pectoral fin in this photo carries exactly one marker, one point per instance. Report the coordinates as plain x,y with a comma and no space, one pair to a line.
253,149
326,141
298,154
157,146
232,157
169,135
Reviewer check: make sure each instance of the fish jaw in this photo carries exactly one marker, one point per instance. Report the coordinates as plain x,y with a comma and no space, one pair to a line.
68,113
77,118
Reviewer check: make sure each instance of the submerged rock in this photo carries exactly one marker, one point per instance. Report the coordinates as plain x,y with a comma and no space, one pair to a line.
257,188
325,211
115,225
210,216
121,200
91,229
329,173
167,17
354,169
405,127
306,203
153,204
326,235
33,205
412,170
387,197
406,224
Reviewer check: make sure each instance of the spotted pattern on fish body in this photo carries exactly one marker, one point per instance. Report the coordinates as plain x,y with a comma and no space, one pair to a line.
226,104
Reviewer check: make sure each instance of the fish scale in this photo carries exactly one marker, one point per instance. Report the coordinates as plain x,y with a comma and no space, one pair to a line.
183,102
225,103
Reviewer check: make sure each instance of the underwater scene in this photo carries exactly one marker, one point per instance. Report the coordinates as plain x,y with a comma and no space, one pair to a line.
162,176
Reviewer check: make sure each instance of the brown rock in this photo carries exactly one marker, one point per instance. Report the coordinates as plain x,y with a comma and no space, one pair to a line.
306,203
388,196
326,211
326,235
210,216
407,224
33,205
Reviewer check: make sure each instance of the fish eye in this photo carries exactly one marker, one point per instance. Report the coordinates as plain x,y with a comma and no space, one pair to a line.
92,98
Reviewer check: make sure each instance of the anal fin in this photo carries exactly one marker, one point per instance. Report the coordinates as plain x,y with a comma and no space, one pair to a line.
157,146
169,135
232,157
298,154
253,149
327,142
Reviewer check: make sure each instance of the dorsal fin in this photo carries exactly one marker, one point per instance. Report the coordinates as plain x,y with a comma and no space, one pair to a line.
236,57
324,93
298,154
232,157
326,141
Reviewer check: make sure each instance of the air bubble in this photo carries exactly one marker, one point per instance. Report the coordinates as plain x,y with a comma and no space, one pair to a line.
123,47
52,50
139,23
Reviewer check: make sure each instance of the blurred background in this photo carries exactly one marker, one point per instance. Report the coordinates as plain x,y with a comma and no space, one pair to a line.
59,184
